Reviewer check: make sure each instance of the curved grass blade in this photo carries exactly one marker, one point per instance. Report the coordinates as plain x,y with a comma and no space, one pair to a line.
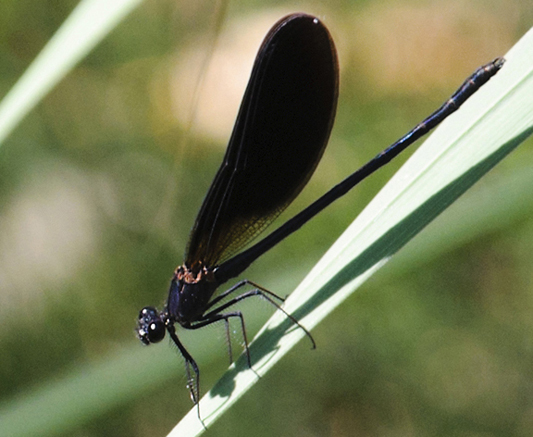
86,26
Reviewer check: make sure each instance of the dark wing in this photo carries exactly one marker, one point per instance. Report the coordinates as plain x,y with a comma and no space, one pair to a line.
280,134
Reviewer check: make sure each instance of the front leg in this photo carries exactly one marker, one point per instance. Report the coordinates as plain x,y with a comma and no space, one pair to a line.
193,382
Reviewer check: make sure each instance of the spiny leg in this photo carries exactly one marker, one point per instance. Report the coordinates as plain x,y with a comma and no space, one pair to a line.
228,340
193,383
238,285
259,291
215,316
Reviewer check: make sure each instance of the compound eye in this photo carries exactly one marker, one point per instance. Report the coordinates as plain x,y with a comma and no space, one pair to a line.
156,331
150,327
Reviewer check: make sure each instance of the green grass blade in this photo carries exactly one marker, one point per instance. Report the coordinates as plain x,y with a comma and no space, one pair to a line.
86,26
466,146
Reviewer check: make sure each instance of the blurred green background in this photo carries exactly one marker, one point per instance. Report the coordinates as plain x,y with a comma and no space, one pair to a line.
100,185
